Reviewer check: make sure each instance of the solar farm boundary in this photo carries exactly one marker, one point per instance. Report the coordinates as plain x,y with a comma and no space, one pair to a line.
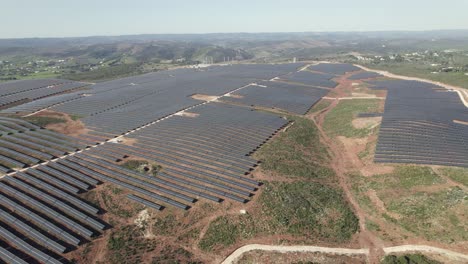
462,93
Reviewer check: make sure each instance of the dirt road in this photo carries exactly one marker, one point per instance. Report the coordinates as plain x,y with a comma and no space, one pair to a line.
343,251
285,249
463,93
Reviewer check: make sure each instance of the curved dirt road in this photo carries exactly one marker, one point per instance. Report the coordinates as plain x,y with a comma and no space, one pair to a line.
461,91
285,249
237,254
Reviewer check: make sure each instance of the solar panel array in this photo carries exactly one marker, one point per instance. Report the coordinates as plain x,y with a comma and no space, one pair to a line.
364,75
310,78
42,216
334,68
118,106
293,98
23,144
29,90
418,125
209,152
43,103
205,153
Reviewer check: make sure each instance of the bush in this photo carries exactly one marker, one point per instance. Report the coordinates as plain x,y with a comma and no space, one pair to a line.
408,259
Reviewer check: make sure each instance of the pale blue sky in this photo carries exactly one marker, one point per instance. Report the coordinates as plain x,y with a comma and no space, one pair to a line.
67,18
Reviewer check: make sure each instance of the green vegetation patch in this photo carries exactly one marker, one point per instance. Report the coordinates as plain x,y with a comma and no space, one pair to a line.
310,209
407,177
142,166
43,121
297,152
127,245
116,203
437,216
408,259
105,73
425,71
457,174
174,255
304,209
222,231
338,122
322,104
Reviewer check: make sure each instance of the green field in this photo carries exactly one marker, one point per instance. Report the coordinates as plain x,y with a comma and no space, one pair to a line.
416,202
307,210
420,70
296,153
457,174
338,122
311,208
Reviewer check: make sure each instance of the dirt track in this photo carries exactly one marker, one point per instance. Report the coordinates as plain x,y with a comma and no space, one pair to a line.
461,91
343,251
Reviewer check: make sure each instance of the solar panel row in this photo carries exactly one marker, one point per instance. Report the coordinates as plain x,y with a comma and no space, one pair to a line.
418,125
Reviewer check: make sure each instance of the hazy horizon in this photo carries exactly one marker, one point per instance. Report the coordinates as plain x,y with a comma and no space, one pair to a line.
57,19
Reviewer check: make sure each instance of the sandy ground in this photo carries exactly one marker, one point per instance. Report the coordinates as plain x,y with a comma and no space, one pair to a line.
204,97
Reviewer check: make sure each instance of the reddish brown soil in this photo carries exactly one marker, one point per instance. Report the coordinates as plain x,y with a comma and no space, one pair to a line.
343,162
69,127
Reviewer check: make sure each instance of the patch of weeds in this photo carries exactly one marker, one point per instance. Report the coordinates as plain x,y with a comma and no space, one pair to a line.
338,121
43,121
407,177
436,216
457,174
173,255
322,104
304,209
142,166
408,259
309,209
297,152
126,245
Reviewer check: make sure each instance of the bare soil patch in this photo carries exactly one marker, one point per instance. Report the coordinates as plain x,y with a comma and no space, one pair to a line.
460,122
69,127
379,204
125,141
366,122
204,97
363,95
237,96
188,114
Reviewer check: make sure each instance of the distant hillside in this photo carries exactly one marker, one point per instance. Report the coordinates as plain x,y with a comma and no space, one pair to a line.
105,57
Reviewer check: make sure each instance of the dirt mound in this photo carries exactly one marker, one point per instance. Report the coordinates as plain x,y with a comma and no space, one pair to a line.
204,97
68,127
